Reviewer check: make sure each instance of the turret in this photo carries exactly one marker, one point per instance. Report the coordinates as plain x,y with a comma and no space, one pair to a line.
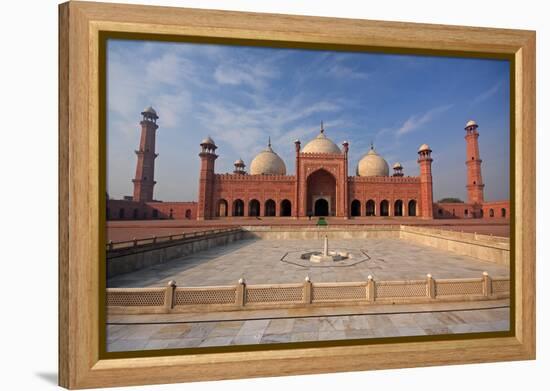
397,170
239,167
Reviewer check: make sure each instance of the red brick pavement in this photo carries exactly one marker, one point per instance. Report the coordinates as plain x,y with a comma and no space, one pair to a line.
127,230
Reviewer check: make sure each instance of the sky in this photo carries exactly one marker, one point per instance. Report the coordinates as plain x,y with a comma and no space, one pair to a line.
242,95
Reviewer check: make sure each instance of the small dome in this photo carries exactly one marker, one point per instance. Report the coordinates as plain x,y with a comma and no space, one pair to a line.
424,147
372,164
471,123
150,110
208,140
267,162
239,162
321,144
397,165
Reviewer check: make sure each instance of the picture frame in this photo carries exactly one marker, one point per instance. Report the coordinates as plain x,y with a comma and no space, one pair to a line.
82,364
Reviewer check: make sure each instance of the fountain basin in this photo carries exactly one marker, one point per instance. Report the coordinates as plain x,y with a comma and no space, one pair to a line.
331,256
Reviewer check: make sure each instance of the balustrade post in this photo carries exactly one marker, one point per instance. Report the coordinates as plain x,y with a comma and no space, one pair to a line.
135,242
169,295
487,285
430,286
370,289
307,290
241,292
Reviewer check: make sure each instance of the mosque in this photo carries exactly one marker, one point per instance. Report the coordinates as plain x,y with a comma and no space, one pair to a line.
320,186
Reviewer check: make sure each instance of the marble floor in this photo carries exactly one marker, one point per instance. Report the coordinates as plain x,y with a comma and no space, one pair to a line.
123,334
259,262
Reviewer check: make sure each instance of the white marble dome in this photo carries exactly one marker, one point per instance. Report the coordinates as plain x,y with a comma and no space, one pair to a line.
424,147
372,164
267,162
208,140
150,110
471,123
321,144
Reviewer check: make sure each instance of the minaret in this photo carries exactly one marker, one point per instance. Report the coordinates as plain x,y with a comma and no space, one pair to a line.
296,210
144,181
397,169
345,146
206,180
426,187
474,183
239,167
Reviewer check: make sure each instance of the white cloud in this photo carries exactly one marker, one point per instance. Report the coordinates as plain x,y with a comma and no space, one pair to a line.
487,94
346,72
255,75
417,120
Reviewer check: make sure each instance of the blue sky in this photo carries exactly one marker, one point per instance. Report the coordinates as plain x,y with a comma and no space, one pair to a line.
241,95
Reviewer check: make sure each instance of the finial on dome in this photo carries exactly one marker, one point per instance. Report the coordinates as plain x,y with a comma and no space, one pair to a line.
371,145
322,128
269,141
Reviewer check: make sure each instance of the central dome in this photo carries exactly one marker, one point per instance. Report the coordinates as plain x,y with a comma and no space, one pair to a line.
321,144
267,162
372,164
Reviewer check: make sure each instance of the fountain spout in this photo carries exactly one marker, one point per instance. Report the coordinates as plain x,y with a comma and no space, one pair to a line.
325,249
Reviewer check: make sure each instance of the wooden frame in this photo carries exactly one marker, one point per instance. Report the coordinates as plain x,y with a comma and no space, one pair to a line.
80,244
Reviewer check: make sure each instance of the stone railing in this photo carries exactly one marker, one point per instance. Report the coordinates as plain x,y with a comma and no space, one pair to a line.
174,299
129,256
485,247
456,234
155,240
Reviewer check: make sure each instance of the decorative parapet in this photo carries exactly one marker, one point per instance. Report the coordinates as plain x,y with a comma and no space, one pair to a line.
253,178
384,179
320,155
173,299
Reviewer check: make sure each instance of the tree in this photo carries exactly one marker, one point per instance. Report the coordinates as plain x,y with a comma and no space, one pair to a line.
449,200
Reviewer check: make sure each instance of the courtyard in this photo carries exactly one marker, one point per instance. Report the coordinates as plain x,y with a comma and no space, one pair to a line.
265,262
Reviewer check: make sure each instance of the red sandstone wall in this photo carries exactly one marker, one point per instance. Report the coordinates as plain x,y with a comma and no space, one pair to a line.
391,189
233,187
133,210
453,210
496,209
449,210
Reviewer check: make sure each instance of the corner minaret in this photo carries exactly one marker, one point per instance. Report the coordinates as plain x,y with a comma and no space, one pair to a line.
426,186
474,183
345,148
144,182
206,181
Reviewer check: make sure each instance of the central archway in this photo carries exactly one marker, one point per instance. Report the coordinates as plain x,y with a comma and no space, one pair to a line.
321,191
321,207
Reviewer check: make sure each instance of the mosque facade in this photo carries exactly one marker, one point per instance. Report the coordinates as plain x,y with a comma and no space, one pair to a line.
320,186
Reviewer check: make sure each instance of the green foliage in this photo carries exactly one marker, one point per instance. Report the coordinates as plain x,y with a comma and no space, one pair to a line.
450,199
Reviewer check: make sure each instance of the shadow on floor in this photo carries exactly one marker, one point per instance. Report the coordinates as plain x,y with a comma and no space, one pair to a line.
48,377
